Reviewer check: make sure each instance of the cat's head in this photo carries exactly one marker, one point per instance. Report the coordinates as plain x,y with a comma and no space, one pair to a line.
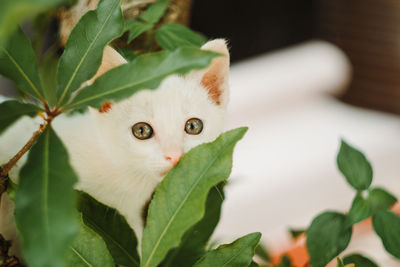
149,132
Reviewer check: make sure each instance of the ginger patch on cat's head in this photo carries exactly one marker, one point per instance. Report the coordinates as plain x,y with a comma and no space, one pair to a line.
106,107
215,77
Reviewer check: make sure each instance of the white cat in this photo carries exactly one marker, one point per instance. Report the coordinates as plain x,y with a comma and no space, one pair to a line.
123,151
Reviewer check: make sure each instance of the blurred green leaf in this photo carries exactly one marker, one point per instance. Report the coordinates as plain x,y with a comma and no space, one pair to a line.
262,252
84,49
88,249
12,110
327,236
112,227
18,63
236,254
136,28
360,210
154,13
194,241
254,264
171,36
354,166
45,203
12,12
145,72
128,54
294,233
387,225
359,261
179,200
377,199
285,262
48,75
380,199
339,262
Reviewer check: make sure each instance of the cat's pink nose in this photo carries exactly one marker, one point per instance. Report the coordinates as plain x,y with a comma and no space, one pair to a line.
174,156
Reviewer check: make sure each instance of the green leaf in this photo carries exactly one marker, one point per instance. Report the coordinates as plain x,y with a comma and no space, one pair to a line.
285,262
112,227
236,254
262,252
360,210
194,241
136,28
179,200
45,203
84,49
339,262
354,166
12,110
380,199
359,261
145,72
18,63
254,264
387,225
48,74
294,233
171,36
89,250
154,13
327,236
12,12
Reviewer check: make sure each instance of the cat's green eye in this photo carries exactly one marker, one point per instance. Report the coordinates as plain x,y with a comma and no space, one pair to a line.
142,130
194,126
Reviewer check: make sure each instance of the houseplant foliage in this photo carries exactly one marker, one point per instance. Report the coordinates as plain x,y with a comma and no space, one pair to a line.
61,227
83,231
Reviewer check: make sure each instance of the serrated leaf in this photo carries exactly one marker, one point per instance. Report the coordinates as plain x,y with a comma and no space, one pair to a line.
285,262
145,72
84,49
12,12
18,63
171,36
179,200
12,110
354,166
360,210
112,227
88,250
45,203
136,28
359,260
236,254
327,236
380,199
194,241
387,225
154,13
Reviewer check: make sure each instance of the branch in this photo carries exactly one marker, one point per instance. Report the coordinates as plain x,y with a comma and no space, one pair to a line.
6,168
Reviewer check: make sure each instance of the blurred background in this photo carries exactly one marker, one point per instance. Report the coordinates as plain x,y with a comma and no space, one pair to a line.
304,75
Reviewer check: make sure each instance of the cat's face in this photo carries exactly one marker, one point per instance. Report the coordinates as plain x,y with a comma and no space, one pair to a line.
150,131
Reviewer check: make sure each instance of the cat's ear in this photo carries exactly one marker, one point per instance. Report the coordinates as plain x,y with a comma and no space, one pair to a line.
215,77
111,59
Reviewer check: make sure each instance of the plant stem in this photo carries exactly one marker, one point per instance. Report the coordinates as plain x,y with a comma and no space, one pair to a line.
6,168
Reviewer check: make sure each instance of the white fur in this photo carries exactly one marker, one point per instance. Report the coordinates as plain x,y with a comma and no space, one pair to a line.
115,167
